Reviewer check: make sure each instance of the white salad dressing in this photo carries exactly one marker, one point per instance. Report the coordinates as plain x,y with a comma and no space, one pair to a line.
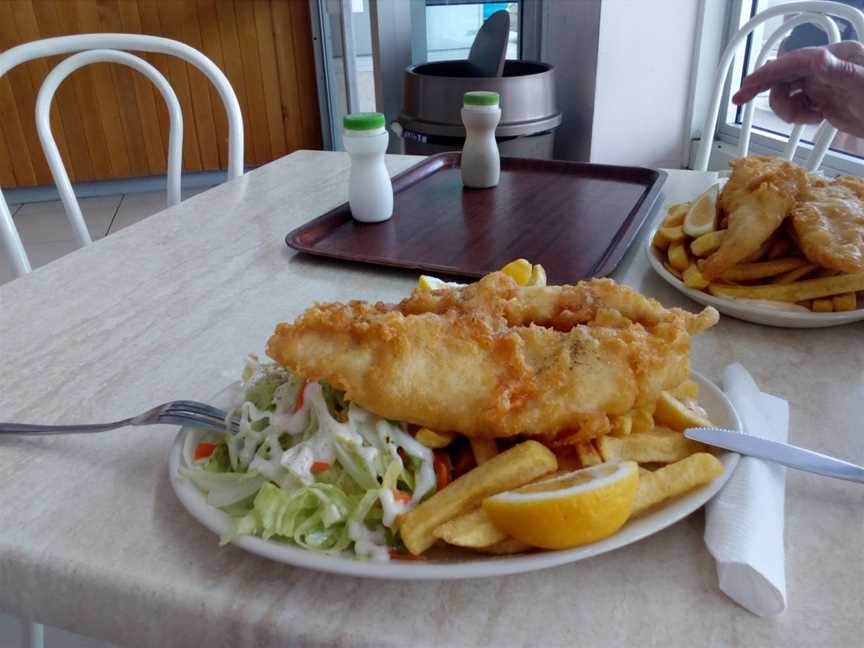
390,507
368,544
425,478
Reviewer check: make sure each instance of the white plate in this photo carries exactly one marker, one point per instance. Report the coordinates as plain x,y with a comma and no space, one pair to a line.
450,564
749,311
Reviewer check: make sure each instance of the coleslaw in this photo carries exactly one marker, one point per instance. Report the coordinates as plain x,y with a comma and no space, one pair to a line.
310,467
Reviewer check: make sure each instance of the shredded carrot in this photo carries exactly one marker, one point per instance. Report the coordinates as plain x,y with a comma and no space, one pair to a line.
399,496
320,466
442,470
204,450
298,404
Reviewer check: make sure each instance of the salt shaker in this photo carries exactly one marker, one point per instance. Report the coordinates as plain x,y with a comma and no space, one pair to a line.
481,163
370,192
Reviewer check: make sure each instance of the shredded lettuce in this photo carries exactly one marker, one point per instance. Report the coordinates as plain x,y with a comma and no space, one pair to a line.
326,477
218,461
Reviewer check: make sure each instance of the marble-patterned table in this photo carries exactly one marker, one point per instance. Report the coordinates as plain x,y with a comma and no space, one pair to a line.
92,538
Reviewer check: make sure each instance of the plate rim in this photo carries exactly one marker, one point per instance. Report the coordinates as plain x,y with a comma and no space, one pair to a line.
214,520
745,311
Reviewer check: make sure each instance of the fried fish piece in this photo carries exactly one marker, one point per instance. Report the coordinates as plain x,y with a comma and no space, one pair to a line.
757,198
829,224
558,307
469,369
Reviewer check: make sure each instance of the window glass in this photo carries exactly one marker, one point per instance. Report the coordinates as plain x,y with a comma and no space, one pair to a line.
452,26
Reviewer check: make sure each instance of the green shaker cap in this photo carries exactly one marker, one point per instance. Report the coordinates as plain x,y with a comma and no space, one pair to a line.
481,98
363,121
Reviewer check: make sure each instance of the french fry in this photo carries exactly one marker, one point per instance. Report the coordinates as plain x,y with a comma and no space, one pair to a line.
674,271
484,449
508,546
675,479
672,413
643,421
824,305
621,425
693,278
679,257
794,292
707,243
660,445
687,389
675,214
511,469
660,240
844,302
473,529
796,274
762,270
673,234
588,455
434,439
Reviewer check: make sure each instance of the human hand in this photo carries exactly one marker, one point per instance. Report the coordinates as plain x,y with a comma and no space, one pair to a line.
814,83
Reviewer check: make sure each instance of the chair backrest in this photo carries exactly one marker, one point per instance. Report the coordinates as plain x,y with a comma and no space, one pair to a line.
818,12
111,48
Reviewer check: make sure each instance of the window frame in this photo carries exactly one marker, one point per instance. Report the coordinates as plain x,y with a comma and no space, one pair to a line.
763,141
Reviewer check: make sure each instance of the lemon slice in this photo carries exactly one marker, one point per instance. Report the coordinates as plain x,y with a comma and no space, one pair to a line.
702,216
568,510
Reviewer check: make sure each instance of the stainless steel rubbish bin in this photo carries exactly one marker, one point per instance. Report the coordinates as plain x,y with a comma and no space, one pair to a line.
430,120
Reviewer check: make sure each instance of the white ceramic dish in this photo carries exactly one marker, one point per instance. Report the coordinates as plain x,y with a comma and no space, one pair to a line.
447,564
749,311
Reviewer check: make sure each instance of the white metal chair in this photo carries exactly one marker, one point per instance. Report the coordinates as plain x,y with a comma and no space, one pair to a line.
97,48
818,12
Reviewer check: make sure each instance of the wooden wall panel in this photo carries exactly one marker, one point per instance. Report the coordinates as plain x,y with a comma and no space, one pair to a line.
110,122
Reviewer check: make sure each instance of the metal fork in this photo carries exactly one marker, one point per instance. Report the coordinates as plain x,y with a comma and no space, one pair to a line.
176,412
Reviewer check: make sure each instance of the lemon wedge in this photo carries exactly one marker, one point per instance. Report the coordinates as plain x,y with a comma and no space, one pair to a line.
434,283
673,413
538,276
702,216
519,270
570,509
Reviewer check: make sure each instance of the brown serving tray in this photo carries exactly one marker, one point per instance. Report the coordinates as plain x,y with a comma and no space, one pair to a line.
576,219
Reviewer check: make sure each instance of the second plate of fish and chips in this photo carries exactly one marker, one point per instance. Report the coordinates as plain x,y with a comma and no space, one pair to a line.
775,245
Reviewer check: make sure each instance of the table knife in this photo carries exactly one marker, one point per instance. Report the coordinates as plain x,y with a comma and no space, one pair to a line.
782,453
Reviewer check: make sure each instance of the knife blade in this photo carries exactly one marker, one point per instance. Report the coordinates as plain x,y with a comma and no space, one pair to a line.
782,453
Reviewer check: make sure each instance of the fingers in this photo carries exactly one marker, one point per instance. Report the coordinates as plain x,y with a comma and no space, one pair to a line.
790,67
851,51
836,63
793,107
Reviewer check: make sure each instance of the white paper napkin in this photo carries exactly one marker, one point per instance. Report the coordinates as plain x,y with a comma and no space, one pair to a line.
744,521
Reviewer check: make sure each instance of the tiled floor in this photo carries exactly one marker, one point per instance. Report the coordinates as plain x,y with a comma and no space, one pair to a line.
47,234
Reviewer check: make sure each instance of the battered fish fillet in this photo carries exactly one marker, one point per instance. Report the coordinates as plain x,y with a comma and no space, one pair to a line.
474,361
558,307
829,224
757,198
